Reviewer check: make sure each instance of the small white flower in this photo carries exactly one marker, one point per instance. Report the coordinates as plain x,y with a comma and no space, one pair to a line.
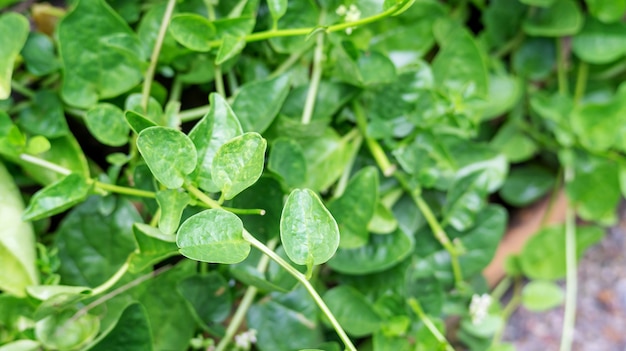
353,14
341,10
245,339
479,307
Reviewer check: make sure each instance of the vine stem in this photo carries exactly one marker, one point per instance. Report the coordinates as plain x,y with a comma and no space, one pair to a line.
569,318
124,190
45,164
246,302
147,83
376,150
307,285
316,76
560,67
194,113
417,308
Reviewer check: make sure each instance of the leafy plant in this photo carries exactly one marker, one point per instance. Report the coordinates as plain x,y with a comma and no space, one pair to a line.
341,177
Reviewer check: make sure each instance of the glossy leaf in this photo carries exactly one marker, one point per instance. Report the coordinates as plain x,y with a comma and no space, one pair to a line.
300,14
278,8
600,43
92,69
527,184
238,163
380,253
541,295
308,231
257,103
65,152
10,46
231,46
502,20
172,203
63,332
607,11
543,256
383,221
563,18
170,154
153,246
346,302
463,202
138,122
17,240
287,161
107,124
45,292
213,236
193,31
57,197
132,331
354,209
21,345
45,116
208,295
214,129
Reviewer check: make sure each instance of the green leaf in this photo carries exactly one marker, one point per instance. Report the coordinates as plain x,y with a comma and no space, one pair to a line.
17,240
62,331
607,11
193,31
278,8
231,46
153,247
137,121
57,197
513,143
504,93
541,295
527,184
287,161
132,331
563,18
380,253
39,55
502,20
543,256
238,163
539,3
355,208
345,302
172,203
10,46
154,111
257,102
308,231
300,14
21,345
92,69
214,129
600,43
45,116
93,244
465,199
213,236
169,153
65,152
383,221
535,58
208,295
45,292
107,124
249,275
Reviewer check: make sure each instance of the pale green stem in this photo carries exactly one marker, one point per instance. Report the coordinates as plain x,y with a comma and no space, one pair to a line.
290,61
22,89
345,176
45,164
561,67
147,83
316,76
111,281
233,85
245,303
569,318
307,285
123,190
581,81
176,90
417,308
219,81
375,149
200,195
194,113
506,313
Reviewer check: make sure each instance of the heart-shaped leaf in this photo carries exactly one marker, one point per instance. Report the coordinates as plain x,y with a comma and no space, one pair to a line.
107,124
193,31
57,197
169,153
213,236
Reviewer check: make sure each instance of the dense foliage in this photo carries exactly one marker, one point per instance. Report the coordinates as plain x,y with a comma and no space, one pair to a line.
283,175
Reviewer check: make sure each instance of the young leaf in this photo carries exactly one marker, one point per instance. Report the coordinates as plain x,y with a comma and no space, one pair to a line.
213,236
137,121
57,197
153,247
169,153
10,46
193,31
217,127
92,70
308,231
542,295
257,103
278,8
106,123
230,47
17,240
132,331
355,208
172,203
238,163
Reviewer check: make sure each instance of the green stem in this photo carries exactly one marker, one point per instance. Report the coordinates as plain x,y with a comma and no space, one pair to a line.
581,82
176,90
245,303
569,318
76,112
512,305
22,89
561,67
111,281
45,164
200,195
233,85
302,279
194,113
376,150
342,183
316,76
417,308
219,81
510,45
147,83
290,61
123,190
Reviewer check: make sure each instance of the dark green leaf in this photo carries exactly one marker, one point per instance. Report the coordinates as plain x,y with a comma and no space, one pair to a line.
107,124
193,31
563,18
257,103
535,58
10,46
153,247
213,236
45,116
249,275
527,184
287,161
208,295
132,331
502,20
170,154
217,127
513,143
238,163
300,14
539,3
172,203
345,303
57,197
